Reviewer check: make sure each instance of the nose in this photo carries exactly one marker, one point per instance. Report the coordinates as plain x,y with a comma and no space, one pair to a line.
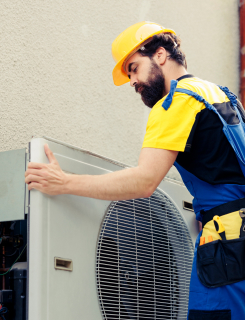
133,81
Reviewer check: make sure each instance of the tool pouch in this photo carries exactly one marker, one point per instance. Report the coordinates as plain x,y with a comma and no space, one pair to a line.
221,262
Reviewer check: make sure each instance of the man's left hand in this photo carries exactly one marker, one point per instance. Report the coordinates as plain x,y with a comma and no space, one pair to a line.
47,178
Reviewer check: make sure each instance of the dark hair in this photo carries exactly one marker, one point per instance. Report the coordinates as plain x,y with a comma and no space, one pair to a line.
168,41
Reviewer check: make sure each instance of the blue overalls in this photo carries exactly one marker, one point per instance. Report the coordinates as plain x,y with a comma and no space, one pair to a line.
228,301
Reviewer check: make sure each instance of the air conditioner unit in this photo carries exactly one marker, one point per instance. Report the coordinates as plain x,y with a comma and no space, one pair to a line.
92,259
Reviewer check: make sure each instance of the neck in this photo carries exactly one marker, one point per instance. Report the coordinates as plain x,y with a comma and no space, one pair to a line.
173,74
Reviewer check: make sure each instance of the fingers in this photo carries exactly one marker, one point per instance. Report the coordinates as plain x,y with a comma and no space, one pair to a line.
36,186
33,178
35,182
33,185
49,154
36,172
34,165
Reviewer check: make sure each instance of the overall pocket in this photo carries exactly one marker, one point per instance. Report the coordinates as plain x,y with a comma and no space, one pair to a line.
221,262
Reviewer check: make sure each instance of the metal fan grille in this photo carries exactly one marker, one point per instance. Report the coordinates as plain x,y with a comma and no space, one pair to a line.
144,260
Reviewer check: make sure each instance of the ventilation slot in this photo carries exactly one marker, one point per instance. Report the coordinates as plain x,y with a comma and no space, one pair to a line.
63,264
188,206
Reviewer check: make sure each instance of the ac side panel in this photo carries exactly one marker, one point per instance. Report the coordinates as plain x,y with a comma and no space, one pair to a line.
65,227
37,247
12,185
37,279
73,230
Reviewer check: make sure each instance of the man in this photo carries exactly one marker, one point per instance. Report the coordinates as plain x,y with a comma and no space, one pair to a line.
185,127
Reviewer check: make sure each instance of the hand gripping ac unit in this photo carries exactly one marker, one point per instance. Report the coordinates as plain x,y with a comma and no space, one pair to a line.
92,259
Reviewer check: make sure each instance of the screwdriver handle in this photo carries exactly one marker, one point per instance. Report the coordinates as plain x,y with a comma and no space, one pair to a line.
218,224
202,241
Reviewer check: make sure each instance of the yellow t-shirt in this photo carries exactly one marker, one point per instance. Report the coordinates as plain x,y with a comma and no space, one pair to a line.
170,129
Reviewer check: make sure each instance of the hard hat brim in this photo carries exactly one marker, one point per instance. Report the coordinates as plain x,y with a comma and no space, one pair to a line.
118,74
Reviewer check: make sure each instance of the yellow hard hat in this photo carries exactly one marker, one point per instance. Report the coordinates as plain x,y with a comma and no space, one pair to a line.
128,42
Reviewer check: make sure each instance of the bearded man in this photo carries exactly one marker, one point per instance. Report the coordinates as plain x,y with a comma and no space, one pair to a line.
192,124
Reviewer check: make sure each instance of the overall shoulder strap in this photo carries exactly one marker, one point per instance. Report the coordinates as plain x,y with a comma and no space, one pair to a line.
231,96
233,99
173,88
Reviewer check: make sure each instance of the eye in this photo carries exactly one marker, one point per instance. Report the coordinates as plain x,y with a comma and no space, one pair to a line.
129,76
135,69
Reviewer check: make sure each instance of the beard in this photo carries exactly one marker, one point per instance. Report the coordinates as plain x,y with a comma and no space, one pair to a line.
153,89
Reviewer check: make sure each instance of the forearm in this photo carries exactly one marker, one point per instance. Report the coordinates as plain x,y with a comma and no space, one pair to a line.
120,185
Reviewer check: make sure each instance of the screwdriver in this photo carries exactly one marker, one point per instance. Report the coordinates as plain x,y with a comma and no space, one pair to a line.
202,241
219,227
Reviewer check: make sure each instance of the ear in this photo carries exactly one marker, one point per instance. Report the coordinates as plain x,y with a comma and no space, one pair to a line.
160,56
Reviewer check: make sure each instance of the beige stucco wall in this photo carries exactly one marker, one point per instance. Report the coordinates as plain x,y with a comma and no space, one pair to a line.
55,67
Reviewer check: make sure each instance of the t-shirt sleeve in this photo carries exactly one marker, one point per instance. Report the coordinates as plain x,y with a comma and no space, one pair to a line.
170,129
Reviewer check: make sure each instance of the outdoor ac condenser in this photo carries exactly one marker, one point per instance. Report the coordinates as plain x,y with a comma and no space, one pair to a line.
92,259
